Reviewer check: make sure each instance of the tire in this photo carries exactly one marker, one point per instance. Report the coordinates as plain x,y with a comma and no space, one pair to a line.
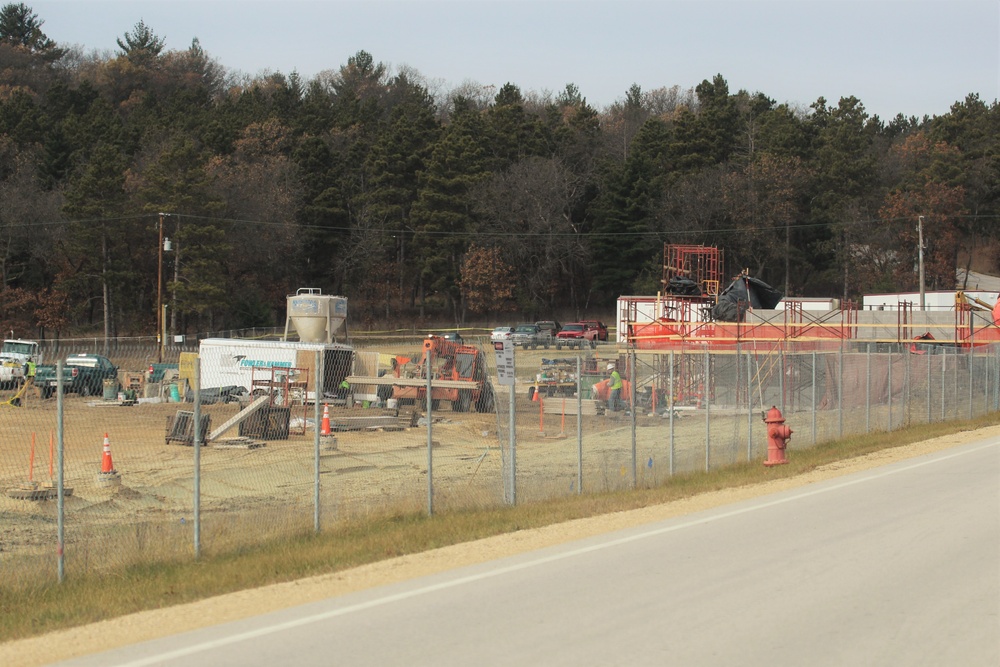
558,346
593,345
85,389
486,402
464,400
47,392
531,393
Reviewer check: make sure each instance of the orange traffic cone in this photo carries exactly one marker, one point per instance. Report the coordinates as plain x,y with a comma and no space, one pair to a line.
325,424
106,464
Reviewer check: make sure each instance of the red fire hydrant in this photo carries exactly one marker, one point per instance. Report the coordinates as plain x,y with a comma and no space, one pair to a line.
777,437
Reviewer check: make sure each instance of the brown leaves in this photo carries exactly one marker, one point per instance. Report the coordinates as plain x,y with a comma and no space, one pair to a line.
487,282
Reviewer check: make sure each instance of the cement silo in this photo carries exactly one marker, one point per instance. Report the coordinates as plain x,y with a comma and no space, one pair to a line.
316,317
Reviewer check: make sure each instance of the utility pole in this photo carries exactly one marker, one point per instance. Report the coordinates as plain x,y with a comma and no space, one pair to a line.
159,297
920,256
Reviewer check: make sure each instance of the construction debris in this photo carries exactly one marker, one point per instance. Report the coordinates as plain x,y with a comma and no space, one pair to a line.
238,443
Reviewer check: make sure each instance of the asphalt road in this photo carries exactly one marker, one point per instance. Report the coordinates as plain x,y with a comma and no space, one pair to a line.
898,565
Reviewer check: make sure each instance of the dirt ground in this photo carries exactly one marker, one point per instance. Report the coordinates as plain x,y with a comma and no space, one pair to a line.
163,622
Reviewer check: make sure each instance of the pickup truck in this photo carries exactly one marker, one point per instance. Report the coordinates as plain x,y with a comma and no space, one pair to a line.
47,381
578,334
83,374
530,336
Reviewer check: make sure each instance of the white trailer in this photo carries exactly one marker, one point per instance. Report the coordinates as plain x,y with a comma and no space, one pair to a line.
236,362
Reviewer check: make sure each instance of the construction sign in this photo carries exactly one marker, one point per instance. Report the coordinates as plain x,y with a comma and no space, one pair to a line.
505,362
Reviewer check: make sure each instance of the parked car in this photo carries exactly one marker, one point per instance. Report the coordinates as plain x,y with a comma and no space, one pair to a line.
551,326
602,328
501,333
47,381
530,336
580,334
89,373
453,336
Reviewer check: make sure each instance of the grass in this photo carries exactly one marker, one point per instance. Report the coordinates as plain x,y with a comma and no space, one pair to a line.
32,610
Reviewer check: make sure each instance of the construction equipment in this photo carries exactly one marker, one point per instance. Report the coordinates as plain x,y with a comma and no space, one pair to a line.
555,377
970,302
457,376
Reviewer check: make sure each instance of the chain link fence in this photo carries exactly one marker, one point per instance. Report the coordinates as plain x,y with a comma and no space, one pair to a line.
274,461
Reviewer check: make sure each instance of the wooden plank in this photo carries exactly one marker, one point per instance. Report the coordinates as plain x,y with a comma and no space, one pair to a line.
240,416
411,382
363,423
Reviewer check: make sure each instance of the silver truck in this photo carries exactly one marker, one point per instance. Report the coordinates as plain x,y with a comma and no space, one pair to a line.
531,337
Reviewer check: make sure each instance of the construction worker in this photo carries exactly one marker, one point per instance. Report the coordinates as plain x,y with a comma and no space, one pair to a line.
344,390
615,385
29,371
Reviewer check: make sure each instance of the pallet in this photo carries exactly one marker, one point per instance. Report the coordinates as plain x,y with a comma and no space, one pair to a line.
237,443
37,492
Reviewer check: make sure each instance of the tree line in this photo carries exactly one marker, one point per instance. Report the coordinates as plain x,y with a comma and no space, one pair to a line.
421,204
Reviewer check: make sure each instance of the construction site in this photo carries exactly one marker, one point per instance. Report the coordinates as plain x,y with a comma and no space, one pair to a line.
318,428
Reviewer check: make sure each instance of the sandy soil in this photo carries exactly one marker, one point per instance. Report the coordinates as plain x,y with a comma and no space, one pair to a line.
148,625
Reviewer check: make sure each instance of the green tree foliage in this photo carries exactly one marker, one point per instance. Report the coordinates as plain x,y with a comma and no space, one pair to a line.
178,182
96,257
20,27
442,215
141,46
419,203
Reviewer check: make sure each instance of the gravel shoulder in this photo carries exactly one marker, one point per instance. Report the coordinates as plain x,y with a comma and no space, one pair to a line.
163,622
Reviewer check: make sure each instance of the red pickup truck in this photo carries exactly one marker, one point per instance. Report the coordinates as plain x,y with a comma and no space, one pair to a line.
578,334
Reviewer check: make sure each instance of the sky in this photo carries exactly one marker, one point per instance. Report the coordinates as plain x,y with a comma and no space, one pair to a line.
914,57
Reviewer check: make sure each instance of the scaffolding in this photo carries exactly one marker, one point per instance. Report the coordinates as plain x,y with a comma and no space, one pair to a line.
287,390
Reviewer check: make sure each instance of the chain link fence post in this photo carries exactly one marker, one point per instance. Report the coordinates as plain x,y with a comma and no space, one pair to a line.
430,432
196,445
868,387
706,394
320,373
671,406
579,427
632,411
61,491
840,391
813,396
749,406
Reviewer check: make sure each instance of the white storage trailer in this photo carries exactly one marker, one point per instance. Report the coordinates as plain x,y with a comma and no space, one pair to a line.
236,362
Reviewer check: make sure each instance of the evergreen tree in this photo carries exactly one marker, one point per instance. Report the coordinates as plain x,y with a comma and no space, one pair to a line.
21,27
442,213
141,46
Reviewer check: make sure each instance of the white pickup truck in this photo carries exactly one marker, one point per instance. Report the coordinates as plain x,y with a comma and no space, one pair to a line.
11,371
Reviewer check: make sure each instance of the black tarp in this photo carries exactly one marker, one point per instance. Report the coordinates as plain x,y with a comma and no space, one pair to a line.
683,287
742,293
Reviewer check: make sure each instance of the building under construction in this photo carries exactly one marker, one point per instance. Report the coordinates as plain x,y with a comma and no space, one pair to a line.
705,335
